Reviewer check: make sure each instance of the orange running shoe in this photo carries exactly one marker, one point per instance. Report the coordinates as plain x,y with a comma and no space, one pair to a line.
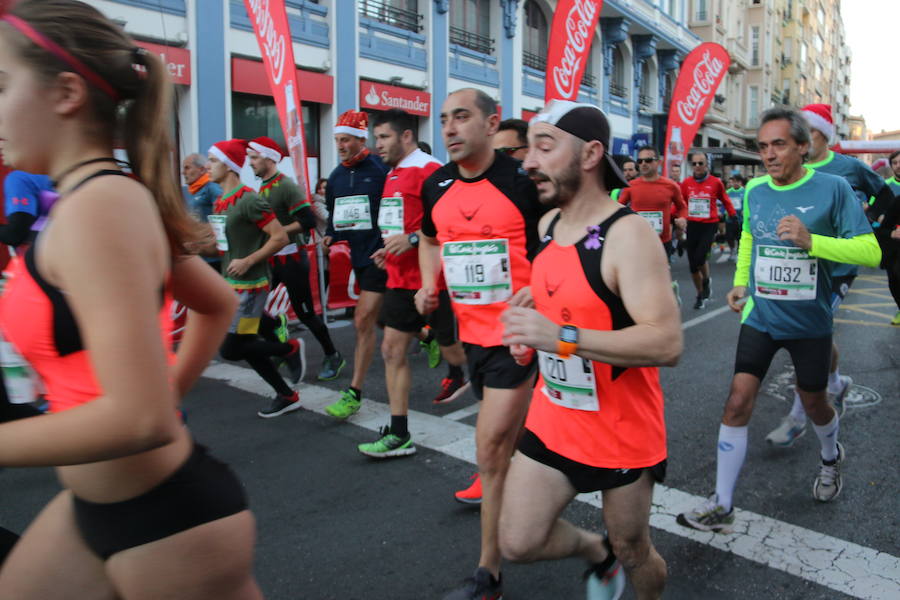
472,494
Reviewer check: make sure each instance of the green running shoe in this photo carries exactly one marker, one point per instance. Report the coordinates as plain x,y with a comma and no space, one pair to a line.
282,330
434,353
347,406
896,320
389,445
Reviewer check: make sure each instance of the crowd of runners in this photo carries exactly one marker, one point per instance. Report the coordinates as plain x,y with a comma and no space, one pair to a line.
532,262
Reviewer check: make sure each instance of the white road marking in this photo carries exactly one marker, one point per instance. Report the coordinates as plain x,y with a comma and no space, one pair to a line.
703,318
459,415
837,564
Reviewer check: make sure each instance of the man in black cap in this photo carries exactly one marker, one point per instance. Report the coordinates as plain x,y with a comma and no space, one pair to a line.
603,321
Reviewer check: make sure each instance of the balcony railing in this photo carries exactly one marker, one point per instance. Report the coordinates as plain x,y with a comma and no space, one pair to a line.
472,41
534,61
618,90
701,15
645,102
383,12
589,80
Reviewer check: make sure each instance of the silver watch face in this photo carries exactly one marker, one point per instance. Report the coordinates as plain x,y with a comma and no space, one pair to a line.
568,334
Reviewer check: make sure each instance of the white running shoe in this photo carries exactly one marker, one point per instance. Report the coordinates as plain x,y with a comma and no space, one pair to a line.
724,257
828,484
837,398
787,433
609,587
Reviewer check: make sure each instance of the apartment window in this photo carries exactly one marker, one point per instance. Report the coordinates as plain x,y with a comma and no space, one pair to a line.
821,15
788,50
802,86
617,81
818,43
753,108
470,25
700,13
534,46
399,13
818,71
803,50
645,101
754,46
789,10
253,116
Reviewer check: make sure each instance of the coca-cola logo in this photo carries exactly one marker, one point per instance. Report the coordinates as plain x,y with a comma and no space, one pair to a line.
705,76
274,45
578,28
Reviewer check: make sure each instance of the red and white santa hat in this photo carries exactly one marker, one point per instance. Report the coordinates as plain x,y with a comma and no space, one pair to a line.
267,148
819,117
353,122
231,152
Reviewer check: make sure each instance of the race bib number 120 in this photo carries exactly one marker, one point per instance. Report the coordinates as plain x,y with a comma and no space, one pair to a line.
569,382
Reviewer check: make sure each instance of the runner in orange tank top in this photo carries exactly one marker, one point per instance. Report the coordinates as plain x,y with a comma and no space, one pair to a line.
602,322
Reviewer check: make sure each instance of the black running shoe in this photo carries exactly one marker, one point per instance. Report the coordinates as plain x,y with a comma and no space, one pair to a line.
699,303
481,586
281,405
707,288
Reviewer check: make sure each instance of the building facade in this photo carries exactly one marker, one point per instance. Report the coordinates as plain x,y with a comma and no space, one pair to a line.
790,52
375,54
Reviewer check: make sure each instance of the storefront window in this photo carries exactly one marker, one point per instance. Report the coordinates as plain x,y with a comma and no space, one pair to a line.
253,116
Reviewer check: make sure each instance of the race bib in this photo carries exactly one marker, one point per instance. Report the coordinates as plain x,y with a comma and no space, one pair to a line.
390,216
785,273
22,385
351,213
477,271
699,208
655,218
569,382
218,225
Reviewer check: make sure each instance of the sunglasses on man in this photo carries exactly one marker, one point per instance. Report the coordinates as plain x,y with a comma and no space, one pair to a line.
699,164
511,149
646,160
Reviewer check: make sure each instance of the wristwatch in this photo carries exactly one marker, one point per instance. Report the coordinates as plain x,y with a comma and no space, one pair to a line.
568,341
413,239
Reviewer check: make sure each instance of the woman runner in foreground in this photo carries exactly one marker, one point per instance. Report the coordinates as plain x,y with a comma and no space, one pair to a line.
145,512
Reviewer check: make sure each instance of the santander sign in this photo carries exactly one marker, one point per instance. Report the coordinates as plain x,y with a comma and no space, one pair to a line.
570,41
706,77
272,42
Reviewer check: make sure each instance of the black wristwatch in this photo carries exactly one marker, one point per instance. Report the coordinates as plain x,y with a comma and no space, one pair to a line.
413,239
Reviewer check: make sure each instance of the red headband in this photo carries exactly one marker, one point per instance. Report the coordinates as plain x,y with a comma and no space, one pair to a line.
62,54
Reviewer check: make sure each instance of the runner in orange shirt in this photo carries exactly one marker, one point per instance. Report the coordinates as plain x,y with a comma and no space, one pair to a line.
601,324
480,221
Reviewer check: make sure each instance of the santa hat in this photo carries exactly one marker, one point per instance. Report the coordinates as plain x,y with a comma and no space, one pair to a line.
267,148
819,117
352,122
231,152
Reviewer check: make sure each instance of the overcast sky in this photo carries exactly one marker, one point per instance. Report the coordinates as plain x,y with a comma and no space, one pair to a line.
872,28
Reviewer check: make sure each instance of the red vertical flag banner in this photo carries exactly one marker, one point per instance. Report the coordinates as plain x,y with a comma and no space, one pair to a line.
574,23
273,34
701,73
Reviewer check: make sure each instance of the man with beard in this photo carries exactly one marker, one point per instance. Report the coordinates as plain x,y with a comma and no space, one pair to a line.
480,220
630,171
602,323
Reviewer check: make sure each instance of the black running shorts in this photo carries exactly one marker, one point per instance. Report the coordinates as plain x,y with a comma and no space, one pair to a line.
811,357
585,478
700,237
371,279
494,367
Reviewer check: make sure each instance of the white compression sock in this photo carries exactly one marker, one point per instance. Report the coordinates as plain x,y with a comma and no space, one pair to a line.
731,451
797,412
828,438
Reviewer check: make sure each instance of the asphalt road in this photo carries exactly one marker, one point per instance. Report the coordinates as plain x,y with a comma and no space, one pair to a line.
334,524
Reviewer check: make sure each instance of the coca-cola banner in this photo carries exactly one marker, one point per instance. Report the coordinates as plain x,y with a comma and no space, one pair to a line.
273,34
701,73
574,23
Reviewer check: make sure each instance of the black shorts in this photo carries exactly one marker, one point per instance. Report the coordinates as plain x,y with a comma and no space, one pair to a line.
399,312
494,367
585,478
669,248
811,357
202,490
700,237
839,288
371,279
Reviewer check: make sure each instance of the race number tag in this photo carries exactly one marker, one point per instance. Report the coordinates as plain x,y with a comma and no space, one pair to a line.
477,271
351,213
22,385
785,273
655,218
569,382
218,226
390,216
699,208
